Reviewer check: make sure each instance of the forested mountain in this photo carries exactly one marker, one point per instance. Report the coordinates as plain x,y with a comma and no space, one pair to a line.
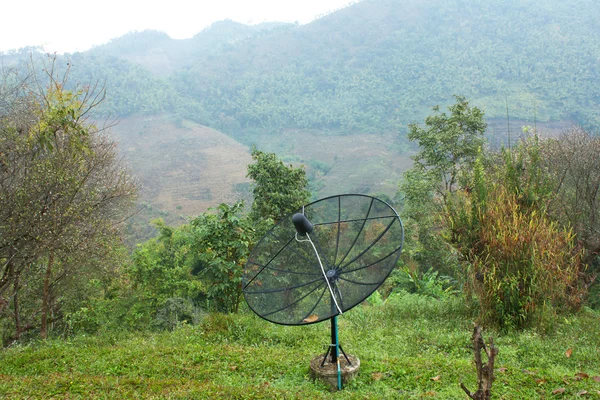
380,63
369,69
372,66
163,55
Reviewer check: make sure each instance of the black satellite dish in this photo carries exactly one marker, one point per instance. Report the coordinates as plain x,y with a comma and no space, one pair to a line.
323,260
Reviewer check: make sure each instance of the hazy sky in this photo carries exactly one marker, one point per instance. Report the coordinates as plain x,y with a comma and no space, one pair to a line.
76,25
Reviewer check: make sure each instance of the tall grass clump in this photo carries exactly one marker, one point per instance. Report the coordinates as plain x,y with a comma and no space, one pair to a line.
519,262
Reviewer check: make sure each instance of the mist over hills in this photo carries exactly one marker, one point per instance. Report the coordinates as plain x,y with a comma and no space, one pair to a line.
380,64
375,65
162,55
368,69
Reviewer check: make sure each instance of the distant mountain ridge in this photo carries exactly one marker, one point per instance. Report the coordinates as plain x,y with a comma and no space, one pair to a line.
162,55
382,63
335,94
375,65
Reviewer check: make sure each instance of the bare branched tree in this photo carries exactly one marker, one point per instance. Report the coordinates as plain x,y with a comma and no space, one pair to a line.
63,191
574,160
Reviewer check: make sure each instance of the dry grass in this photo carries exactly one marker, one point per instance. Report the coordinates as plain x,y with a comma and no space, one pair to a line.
184,170
187,169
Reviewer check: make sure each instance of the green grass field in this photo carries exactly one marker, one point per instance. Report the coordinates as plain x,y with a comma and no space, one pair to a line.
410,347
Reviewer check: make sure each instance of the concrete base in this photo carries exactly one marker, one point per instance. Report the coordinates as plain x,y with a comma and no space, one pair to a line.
328,372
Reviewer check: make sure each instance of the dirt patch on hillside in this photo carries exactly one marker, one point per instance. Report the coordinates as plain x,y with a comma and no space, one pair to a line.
183,169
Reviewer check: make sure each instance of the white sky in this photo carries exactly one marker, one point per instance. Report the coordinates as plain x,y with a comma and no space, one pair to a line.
76,25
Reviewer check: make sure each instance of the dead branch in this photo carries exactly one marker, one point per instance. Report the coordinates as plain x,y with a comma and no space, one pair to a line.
485,372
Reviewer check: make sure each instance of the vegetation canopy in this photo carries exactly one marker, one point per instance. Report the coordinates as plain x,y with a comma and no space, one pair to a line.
63,194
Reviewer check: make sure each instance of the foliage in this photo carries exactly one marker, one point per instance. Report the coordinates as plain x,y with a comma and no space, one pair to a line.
449,143
112,305
560,176
200,262
64,192
520,262
420,215
175,312
573,163
448,146
428,283
520,259
222,243
525,175
279,189
162,267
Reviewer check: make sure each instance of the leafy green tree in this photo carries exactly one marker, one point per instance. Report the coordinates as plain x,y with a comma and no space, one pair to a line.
448,147
222,243
162,267
424,248
200,262
278,189
448,144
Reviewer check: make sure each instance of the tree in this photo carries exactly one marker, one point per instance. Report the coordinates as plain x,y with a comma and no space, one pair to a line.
278,190
163,266
222,244
448,147
200,262
63,193
448,144
491,209
573,163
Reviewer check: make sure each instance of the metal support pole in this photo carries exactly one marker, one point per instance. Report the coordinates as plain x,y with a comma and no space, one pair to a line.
334,335
334,340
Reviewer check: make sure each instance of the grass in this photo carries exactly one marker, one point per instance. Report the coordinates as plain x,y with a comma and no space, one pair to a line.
402,344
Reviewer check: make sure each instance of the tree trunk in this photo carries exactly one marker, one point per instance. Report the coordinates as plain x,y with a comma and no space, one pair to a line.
17,313
5,278
46,298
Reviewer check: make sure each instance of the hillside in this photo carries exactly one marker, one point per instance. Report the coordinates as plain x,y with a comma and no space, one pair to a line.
373,66
187,170
380,64
337,94
162,55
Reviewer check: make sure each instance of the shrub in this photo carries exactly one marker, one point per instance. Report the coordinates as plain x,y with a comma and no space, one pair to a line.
429,283
519,261
175,312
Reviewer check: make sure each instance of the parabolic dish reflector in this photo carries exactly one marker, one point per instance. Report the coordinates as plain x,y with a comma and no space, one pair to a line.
299,278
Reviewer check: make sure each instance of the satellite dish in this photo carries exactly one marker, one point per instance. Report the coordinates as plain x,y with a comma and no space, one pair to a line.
322,261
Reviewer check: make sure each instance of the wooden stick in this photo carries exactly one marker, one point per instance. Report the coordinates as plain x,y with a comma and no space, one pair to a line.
485,372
